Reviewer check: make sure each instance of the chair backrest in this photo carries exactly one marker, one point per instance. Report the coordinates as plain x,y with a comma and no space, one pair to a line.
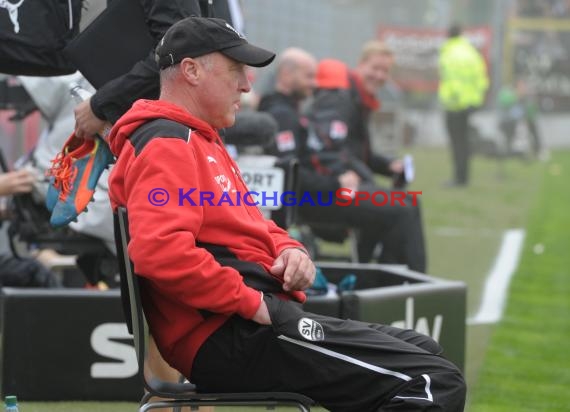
134,314
130,290
282,173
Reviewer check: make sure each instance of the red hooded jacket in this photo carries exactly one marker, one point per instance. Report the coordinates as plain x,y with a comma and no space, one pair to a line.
199,265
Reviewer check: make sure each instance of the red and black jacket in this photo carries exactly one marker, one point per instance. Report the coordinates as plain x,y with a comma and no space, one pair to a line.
199,264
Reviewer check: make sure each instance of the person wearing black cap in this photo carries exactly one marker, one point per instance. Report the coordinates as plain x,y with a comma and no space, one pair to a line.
221,286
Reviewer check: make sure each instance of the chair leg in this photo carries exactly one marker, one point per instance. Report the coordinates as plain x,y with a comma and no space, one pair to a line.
353,239
195,408
167,404
146,397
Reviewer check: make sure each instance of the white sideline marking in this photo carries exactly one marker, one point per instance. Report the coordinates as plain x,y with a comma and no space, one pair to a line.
498,279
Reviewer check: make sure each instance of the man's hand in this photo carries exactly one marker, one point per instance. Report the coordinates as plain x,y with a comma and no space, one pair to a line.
87,125
397,166
349,180
20,181
296,268
262,314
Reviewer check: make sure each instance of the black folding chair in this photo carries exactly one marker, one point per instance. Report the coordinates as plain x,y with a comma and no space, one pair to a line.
177,395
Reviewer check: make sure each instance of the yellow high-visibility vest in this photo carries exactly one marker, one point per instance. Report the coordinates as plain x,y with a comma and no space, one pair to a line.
463,75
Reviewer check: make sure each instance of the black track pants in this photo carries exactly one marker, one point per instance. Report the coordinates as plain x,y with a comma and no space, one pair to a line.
344,365
458,130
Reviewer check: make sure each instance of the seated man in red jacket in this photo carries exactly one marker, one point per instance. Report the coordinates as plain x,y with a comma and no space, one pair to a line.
221,285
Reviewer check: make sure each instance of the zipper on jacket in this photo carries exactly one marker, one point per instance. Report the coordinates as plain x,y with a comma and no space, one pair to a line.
236,174
70,8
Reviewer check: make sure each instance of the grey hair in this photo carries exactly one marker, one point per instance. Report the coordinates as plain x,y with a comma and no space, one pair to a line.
170,73
206,61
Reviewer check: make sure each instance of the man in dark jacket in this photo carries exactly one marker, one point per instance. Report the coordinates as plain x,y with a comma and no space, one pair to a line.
142,81
117,96
329,162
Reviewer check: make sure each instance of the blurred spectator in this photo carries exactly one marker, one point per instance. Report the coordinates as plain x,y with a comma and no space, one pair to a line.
294,82
510,112
346,99
25,272
96,253
531,111
543,8
516,106
327,163
462,87
340,120
51,96
20,181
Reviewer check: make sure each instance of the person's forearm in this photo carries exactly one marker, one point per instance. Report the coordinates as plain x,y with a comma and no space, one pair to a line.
142,82
117,96
311,181
381,165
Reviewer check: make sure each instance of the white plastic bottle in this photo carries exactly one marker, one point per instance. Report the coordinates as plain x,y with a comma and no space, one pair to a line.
80,94
11,404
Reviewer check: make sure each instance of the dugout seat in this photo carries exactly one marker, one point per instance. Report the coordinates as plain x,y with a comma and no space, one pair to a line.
176,395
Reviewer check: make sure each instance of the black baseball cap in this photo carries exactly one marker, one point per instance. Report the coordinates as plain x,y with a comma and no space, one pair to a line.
197,36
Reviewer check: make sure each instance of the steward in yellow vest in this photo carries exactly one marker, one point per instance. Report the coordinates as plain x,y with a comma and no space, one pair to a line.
463,75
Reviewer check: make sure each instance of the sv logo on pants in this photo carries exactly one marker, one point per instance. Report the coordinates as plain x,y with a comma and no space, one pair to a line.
311,330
